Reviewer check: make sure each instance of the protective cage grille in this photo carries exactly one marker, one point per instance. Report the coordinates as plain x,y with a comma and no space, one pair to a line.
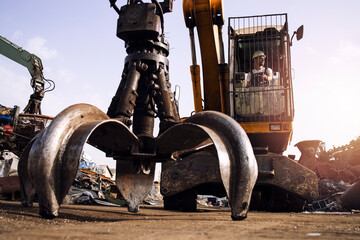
271,100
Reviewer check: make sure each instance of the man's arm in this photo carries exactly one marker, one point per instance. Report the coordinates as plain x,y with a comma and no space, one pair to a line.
269,74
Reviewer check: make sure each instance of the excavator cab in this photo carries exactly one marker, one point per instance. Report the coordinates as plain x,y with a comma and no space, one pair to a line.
264,111
267,111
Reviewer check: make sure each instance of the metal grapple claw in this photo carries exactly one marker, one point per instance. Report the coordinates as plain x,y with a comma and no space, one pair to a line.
50,162
133,183
228,143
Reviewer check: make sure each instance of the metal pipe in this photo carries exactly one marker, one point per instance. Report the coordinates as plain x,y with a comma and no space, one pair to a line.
192,45
129,94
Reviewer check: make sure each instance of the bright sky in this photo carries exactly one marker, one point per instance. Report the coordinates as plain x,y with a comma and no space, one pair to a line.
80,52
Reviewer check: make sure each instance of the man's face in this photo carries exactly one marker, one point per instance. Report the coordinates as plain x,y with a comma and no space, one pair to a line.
260,60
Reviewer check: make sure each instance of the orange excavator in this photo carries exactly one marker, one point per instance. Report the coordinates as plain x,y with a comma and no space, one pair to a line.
264,110
207,153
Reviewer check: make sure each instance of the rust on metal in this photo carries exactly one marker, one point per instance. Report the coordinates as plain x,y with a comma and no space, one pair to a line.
10,187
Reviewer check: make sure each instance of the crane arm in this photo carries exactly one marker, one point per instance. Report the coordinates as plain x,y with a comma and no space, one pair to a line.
207,17
17,54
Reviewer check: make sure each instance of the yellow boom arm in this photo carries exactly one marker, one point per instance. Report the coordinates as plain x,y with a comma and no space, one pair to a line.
207,17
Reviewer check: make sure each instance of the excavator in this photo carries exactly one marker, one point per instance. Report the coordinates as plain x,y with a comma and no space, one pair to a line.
264,111
211,146
17,129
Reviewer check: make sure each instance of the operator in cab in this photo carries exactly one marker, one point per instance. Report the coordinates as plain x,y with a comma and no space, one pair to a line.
260,76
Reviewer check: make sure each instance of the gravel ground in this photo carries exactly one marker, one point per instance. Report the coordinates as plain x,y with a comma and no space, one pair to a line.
153,222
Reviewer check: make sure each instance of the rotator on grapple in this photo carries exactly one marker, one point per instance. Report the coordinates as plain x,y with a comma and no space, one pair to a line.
144,93
145,79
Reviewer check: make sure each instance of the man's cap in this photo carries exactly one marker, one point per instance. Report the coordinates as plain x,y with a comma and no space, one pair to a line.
258,54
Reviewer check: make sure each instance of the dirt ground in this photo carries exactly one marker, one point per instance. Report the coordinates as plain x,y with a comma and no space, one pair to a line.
153,222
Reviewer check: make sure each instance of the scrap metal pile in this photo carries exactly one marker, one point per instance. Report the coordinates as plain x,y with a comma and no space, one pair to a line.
17,129
90,187
94,185
341,163
338,170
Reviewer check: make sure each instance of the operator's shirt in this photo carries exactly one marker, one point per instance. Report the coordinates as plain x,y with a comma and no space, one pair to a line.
256,78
